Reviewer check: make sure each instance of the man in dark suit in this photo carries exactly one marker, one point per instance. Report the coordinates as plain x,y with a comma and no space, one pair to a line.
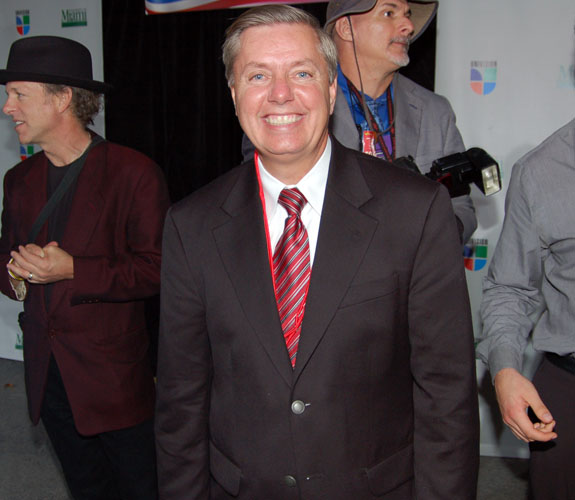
84,276
330,358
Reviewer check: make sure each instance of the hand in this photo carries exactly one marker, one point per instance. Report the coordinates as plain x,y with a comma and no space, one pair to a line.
515,394
42,265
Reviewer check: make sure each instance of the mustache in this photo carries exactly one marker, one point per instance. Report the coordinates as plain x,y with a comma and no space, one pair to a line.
401,39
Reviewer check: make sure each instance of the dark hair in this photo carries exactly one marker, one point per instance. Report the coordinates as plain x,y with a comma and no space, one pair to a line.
85,103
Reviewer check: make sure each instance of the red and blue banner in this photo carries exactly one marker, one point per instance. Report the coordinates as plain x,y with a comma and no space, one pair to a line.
169,6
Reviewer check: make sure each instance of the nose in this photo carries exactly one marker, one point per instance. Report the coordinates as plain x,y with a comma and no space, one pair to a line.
280,91
407,27
8,108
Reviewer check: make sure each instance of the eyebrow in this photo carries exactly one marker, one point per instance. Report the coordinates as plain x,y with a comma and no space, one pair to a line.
299,62
395,6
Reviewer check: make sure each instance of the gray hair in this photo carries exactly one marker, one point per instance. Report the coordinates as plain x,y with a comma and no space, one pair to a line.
266,15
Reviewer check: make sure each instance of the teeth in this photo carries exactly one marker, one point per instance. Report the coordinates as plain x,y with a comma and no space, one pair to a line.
282,119
19,123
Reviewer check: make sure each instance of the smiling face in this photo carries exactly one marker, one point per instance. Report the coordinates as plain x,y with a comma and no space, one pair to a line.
282,94
382,35
33,111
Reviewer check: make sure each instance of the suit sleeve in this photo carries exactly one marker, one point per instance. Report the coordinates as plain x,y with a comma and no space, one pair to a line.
132,272
8,238
446,433
184,377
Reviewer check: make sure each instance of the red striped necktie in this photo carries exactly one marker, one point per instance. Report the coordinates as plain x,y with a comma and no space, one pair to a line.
292,269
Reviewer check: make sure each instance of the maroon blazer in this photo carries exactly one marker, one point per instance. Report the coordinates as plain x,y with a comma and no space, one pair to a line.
95,325
382,402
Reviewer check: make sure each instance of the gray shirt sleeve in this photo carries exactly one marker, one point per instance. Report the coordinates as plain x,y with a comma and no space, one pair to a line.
511,289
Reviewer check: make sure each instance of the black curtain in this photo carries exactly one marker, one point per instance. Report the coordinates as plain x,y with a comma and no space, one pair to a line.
170,98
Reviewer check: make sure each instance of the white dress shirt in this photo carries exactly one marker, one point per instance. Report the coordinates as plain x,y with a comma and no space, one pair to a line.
312,186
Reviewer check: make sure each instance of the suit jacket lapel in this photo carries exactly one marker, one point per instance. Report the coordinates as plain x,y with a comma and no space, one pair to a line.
35,201
408,109
344,237
242,245
87,207
88,202
342,124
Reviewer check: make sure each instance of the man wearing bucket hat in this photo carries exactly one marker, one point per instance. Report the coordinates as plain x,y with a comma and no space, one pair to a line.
378,110
81,241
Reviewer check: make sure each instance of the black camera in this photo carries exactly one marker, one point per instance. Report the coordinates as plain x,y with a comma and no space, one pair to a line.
457,171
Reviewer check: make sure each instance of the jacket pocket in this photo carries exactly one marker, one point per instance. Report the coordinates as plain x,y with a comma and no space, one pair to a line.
392,472
224,471
370,290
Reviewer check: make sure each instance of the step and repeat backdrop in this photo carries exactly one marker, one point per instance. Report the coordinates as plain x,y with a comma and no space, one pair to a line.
508,71
79,20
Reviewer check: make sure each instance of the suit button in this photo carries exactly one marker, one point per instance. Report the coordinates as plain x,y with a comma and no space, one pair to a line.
290,481
298,407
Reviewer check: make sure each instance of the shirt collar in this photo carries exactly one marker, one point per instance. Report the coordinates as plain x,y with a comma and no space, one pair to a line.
312,185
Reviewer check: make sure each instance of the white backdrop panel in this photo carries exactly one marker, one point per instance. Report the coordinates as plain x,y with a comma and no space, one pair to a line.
527,49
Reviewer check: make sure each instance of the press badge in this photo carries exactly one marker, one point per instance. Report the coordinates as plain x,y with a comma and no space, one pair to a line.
368,142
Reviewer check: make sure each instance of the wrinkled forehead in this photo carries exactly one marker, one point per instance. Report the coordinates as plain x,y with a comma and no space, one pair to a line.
278,40
21,85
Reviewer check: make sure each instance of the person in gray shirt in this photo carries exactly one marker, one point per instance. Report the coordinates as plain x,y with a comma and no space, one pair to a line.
530,288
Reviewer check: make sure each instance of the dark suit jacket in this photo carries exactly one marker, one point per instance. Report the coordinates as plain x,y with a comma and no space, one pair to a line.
385,365
95,325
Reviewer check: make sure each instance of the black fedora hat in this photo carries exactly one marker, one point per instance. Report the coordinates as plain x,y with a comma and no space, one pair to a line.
51,59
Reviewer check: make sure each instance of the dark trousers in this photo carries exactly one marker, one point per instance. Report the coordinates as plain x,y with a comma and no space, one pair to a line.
115,465
552,465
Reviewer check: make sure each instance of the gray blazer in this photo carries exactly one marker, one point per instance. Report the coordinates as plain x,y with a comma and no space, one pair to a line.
425,129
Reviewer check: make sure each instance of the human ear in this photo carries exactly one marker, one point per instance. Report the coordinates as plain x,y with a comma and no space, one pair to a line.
343,28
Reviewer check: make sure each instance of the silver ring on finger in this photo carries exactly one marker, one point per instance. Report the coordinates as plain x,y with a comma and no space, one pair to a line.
30,276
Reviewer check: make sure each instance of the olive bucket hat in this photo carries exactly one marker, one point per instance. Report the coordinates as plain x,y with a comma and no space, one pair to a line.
422,13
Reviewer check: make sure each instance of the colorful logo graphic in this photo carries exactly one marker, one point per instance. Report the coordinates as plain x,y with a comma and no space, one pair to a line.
475,254
74,17
483,76
19,342
23,21
26,150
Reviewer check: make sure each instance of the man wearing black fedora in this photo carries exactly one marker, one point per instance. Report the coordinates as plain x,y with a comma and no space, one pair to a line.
81,239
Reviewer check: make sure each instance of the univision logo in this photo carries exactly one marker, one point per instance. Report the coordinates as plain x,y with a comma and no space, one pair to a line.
26,150
74,17
23,22
475,254
19,342
483,76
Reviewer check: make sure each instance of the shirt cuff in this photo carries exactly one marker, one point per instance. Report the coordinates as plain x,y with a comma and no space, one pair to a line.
20,289
504,357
